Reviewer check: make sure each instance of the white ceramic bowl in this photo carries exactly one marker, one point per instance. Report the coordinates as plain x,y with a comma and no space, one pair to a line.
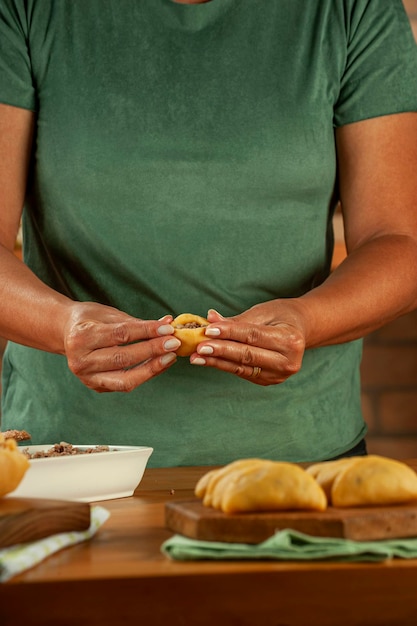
84,477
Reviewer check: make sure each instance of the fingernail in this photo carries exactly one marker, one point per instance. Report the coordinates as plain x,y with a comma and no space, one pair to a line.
217,313
172,343
212,332
165,329
168,358
198,361
205,350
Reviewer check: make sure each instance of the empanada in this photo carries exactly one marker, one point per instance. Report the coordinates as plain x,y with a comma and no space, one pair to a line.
251,485
13,465
326,472
207,483
374,480
189,329
219,486
273,486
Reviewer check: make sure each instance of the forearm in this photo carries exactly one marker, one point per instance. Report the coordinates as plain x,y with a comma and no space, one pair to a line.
30,312
375,284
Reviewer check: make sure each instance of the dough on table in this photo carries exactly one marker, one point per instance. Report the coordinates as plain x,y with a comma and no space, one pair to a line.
326,472
207,483
252,485
13,465
374,480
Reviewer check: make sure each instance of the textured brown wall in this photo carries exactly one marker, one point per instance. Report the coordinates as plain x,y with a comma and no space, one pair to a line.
389,388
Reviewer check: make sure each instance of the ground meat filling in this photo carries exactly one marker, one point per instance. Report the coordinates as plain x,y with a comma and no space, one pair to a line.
18,435
63,449
191,325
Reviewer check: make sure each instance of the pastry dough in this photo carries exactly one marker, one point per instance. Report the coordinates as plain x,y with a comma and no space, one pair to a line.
255,485
189,329
13,465
207,482
220,477
252,485
374,480
326,472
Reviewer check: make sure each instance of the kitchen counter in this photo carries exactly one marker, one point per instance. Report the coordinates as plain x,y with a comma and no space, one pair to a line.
121,577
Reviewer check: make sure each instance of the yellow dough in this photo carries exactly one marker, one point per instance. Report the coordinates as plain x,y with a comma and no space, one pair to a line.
374,480
251,485
201,487
275,486
255,485
207,484
13,465
190,337
326,472
223,481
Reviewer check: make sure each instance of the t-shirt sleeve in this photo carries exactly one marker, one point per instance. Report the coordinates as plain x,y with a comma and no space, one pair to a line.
380,74
16,81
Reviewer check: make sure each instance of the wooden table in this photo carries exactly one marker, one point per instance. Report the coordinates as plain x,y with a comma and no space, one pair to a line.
120,577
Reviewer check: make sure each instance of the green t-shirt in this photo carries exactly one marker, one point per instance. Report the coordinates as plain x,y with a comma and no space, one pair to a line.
185,159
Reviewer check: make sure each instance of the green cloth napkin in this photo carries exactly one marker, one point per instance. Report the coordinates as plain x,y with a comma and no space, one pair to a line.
18,558
290,545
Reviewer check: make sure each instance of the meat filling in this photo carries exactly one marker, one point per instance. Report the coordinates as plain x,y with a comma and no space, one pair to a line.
63,449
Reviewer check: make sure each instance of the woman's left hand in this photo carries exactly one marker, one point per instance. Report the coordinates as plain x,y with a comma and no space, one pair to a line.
264,345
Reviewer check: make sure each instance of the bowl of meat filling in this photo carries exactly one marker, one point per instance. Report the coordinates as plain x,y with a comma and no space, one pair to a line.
85,473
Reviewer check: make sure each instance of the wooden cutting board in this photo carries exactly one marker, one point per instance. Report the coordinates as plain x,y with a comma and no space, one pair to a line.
30,519
192,519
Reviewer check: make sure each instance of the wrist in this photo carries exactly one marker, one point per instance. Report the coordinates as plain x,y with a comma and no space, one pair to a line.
295,312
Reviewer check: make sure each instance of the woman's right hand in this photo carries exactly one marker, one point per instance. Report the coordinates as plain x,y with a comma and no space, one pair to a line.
109,350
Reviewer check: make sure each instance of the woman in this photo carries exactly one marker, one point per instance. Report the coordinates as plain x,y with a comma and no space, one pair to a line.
188,157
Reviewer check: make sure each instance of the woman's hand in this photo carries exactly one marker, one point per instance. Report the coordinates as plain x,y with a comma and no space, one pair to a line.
109,350
265,345
376,283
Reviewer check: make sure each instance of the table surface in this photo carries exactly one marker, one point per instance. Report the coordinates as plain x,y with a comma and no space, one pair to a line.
121,577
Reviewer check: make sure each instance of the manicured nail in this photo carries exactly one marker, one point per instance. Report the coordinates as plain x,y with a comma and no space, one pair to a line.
198,361
172,344
212,331
168,358
205,350
165,329
214,311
